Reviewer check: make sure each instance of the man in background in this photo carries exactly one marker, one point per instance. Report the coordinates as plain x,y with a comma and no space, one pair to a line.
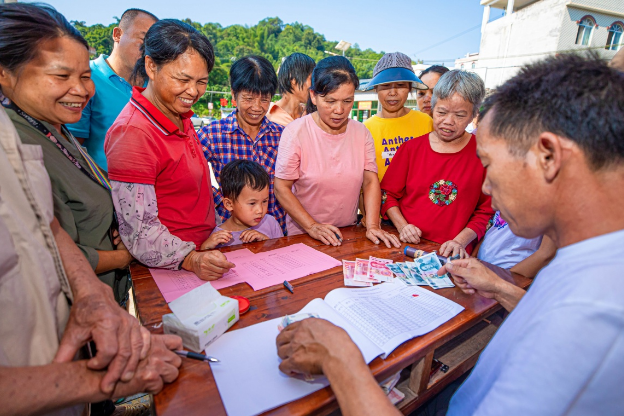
113,80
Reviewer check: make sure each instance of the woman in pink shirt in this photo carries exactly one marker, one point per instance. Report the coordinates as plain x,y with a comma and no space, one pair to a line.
324,159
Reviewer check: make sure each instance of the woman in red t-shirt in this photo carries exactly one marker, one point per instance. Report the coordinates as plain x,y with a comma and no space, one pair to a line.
159,178
433,186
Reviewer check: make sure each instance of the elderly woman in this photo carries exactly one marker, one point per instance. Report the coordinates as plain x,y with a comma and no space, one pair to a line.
293,82
246,133
324,160
433,185
430,78
160,181
45,82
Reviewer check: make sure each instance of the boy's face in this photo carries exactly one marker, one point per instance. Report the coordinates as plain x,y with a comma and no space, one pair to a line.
393,96
250,206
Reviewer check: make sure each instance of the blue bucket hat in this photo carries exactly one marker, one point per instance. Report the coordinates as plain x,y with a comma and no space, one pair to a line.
394,67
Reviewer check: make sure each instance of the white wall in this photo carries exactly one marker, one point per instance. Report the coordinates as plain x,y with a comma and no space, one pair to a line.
520,38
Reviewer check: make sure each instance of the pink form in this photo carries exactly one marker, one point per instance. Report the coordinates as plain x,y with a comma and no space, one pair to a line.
259,270
175,283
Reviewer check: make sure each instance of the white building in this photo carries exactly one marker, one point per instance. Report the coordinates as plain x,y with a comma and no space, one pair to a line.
534,29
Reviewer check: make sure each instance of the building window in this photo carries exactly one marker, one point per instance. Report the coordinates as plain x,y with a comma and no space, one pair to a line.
614,40
462,66
585,28
474,65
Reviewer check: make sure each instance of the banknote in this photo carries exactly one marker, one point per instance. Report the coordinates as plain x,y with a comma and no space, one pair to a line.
377,269
416,275
361,271
396,269
411,279
428,267
348,269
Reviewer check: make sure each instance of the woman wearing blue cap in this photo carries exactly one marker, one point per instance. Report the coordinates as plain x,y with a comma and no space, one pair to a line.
393,80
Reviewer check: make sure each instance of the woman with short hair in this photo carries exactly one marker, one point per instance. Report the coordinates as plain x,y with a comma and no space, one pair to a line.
325,158
293,82
433,185
45,83
160,181
430,78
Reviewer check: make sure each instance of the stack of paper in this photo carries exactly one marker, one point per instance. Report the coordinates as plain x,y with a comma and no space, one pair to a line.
378,319
259,270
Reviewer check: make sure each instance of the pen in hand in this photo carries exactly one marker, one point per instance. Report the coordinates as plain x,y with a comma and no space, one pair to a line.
196,356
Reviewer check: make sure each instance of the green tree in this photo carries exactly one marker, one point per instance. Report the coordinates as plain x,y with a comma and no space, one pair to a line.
270,38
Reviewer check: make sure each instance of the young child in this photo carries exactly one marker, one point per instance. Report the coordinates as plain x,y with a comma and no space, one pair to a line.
245,188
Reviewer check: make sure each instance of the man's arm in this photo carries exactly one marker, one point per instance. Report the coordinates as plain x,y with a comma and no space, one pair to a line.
96,316
530,266
316,346
42,389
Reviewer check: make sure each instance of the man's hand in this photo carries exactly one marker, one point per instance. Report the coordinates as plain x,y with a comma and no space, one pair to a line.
220,237
159,366
307,346
118,337
375,234
248,236
209,265
453,248
326,233
471,276
409,233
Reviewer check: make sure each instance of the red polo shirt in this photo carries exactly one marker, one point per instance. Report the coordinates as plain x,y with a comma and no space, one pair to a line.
144,146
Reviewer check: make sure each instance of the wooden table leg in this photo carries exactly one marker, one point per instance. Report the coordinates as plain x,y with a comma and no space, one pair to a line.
419,377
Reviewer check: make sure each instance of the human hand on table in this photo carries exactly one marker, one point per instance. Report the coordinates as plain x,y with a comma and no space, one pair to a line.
159,366
453,248
307,347
120,340
248,236
375,234
471,276
409,233
208,265
220,237
326,233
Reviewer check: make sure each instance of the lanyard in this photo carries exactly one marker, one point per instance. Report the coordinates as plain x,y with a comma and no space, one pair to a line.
94,172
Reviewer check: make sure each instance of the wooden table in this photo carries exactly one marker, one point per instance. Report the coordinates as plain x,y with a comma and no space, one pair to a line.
456,343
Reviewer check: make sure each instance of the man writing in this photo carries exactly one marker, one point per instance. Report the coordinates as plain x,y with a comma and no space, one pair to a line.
112,76
561,350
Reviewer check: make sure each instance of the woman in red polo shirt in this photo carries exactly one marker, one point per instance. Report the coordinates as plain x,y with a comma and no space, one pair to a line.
433,185
160,180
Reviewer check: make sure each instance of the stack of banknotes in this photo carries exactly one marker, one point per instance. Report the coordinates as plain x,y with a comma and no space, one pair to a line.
423,271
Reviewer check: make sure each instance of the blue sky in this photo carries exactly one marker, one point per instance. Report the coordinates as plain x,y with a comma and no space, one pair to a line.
408,26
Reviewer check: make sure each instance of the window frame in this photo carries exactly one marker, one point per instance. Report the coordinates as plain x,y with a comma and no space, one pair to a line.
585,40
615,38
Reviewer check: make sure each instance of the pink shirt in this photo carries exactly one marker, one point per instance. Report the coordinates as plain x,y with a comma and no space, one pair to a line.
328,169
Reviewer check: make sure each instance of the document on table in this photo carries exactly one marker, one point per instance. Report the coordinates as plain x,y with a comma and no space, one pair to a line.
390,314
175,283
259,270
377,319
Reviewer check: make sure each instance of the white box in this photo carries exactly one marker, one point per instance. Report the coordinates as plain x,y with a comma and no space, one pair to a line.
200,316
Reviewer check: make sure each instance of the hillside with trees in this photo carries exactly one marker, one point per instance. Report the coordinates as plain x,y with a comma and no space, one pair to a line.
270,38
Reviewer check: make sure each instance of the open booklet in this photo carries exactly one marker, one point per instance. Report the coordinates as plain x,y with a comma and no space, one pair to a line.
378,319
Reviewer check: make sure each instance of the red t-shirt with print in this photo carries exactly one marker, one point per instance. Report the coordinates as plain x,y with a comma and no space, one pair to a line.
440,193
